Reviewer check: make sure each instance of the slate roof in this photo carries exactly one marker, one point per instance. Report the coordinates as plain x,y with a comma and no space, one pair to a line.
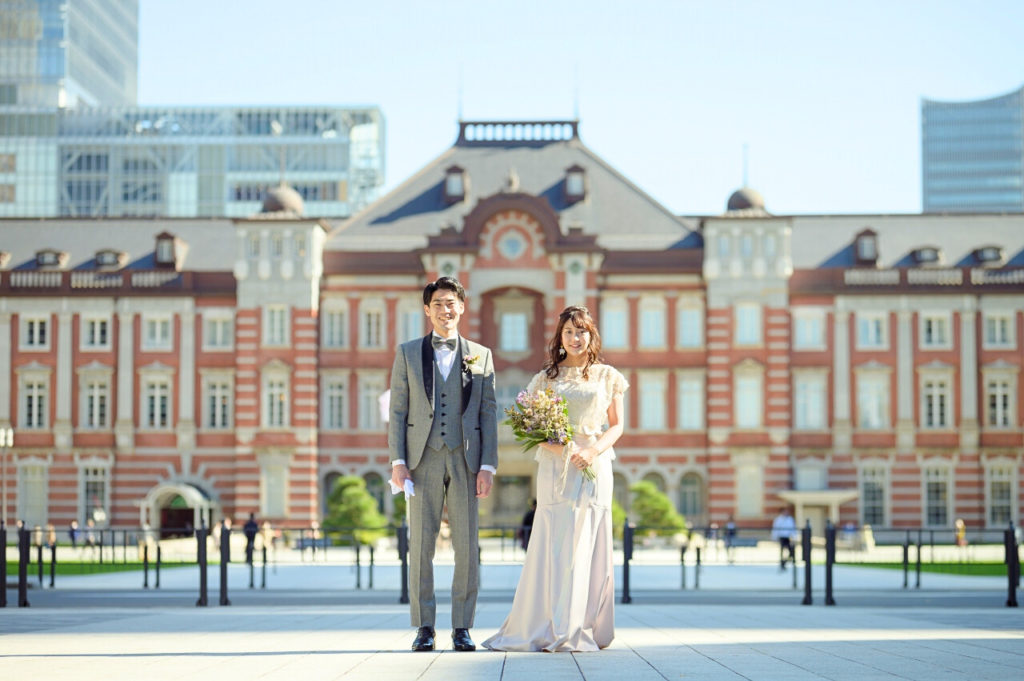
616,211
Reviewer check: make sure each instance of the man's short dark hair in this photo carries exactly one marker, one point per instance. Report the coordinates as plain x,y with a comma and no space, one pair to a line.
448,284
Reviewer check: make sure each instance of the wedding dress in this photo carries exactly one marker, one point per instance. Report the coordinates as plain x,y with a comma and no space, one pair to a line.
566,593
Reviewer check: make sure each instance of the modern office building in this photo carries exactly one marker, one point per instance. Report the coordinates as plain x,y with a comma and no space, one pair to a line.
972,155
186,162
67,53
865,369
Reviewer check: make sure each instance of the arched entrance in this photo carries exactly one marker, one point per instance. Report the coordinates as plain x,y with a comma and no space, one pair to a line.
177,508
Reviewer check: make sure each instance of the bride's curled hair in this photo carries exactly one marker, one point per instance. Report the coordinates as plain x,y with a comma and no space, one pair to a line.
580,317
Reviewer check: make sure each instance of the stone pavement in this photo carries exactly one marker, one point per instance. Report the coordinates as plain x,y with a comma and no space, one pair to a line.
370,641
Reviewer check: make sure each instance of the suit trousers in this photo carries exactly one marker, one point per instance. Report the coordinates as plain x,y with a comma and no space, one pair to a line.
442,477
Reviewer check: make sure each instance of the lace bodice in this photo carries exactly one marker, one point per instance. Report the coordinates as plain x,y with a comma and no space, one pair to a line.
589,398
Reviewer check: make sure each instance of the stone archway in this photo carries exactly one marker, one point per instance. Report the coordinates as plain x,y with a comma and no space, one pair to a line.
177,508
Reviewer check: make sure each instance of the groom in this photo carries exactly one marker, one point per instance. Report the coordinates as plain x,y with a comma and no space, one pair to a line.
443,435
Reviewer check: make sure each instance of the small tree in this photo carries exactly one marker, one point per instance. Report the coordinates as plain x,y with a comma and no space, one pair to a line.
351,505
651,508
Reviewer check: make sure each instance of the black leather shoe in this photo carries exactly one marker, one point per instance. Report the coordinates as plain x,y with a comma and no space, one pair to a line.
424,639
461,640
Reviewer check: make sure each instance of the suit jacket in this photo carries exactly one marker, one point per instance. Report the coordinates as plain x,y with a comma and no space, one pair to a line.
412,402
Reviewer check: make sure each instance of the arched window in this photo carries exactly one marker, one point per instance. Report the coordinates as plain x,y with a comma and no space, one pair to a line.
657,480
691,495
329,481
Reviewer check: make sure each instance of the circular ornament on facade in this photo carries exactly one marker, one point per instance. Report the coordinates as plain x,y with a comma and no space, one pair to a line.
448,270
575,267
512,245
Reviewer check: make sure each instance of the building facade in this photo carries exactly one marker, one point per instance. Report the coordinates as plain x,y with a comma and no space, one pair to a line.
864,369
186,162
972,155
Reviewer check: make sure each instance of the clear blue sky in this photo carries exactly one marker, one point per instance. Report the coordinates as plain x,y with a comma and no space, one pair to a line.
825,94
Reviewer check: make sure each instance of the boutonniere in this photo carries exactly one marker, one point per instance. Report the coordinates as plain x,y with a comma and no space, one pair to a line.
469,362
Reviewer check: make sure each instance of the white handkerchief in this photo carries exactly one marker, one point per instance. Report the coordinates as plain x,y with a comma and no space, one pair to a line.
395,489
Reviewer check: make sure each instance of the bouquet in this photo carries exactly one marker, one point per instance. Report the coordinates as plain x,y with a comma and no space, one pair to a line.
541,416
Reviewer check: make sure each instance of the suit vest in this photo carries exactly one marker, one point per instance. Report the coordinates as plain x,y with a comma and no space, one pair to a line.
446,428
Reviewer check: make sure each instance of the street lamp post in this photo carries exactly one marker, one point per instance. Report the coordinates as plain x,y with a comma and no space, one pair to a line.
6,442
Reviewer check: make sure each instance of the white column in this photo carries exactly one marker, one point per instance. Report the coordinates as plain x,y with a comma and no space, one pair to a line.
187,379
906,382
62,394
842,430
969,434
6,352
124,428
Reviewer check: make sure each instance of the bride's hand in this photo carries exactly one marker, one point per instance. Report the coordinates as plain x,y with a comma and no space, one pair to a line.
581,458
553,450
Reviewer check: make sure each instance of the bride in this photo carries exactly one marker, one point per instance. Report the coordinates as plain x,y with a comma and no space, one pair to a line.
565,598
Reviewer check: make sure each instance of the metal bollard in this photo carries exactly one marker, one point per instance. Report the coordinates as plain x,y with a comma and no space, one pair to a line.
696,571
157,584
371,567
39,563
359,570
627,555
1012,566
201,559
403,556
145,566
917,584
805,549
3,565
225,559
830,560
682,565
906,562
23,555
53,564
263,570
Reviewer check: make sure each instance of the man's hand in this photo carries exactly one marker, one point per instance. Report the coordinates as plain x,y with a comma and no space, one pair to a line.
399,474
484,482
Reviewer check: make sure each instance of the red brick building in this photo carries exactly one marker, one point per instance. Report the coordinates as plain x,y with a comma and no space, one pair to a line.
862,368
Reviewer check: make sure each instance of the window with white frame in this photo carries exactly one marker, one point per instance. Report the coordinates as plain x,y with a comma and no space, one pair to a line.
275,400
691,495
748,396
371,387
936,496
334,331
218,399
35,400
935,331
690,399
275,325
156,332
723,246
690,327
335,404
254,245
514,332
810,475
95,396
156,402
999,494
770,247
35,333
218,332
874,488
747,247
872,330
749,489
94,497
936,403
372,333
614,328
999,391
748,324
95,333
652,323
274,483
808,329
999,330
873,390
33,493
810,401
411,323
653,401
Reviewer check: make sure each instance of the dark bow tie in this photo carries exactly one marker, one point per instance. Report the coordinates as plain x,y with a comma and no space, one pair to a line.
444,343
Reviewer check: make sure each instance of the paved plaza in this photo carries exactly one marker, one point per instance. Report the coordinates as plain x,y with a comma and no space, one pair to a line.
310,623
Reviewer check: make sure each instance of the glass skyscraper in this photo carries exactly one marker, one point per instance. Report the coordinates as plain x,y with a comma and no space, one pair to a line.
972,155
58,53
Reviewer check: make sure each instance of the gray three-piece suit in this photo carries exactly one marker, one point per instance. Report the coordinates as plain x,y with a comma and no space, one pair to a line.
444,429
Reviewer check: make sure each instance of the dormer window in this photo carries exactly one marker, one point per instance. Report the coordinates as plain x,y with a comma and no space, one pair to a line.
51,258
575,184
927,255
989,256
454,184
166,250
110,259
866,247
